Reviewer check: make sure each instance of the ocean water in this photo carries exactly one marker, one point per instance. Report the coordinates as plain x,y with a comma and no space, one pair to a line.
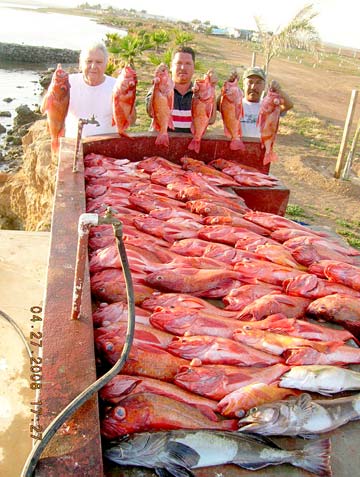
20,81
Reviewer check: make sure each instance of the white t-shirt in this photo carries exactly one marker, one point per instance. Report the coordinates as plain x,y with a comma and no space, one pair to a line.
86,101
248,122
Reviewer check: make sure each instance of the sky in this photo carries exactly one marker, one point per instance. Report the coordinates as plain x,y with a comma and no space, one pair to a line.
337,20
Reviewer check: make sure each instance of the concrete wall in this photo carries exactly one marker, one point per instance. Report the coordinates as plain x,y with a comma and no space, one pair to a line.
37,54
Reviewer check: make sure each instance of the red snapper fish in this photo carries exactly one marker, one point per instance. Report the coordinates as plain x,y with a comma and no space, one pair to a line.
215,381
274,222
232,111
201,108
190,302
311,286
290,306
56,105
123,99
236,404
211,174
268,123
276,343
106,315
255,271
339,356
122,385
218,350
149,412
184,322
211,283
161,104
144,359
151,164
338,308
344,273
238,298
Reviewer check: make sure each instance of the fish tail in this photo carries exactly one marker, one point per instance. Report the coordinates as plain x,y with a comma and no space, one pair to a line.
315,458
237,145
55,144
124,134
162,140
270,157
194,145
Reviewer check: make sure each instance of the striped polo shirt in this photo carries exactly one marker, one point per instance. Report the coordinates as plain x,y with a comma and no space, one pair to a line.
181,112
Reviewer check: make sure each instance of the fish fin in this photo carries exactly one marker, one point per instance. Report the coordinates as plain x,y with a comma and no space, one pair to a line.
176,470
227,132
237,145
194,145
251,466
162,140
309,436
315,458
44,104
161,472
182,453
171,123
304,402
261,439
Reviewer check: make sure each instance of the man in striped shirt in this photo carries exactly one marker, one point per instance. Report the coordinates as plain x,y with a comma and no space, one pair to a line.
182,70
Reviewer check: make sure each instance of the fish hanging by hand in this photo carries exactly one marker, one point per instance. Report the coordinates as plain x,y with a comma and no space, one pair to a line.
268,122
231,110
56,104
202,107
123,99
161,104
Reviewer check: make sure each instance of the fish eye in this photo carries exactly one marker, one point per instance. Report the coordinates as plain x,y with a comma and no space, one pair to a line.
253,410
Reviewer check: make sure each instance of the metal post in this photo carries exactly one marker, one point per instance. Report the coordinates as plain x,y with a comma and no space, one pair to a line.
349,118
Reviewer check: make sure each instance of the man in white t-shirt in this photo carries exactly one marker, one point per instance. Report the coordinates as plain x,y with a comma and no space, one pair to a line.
254,84
91,94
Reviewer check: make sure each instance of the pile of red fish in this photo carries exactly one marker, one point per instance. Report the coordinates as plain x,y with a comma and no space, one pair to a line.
223,294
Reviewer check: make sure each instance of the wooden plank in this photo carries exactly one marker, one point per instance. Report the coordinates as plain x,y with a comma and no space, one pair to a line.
68,345
350,114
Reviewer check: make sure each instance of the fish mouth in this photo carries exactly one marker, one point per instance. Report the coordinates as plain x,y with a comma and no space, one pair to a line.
249,426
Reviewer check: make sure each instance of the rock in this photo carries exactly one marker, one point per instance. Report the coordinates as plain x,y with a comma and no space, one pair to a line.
24,116
2,129
8,100
26,197
5,114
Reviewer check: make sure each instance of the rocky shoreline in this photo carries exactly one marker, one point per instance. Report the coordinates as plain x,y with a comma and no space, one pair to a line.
37,54
27,181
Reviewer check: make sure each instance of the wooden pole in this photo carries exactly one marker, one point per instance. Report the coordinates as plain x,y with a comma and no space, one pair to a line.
347,167
349,118
253,61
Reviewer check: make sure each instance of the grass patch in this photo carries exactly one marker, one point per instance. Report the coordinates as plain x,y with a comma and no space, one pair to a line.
317,133
295,211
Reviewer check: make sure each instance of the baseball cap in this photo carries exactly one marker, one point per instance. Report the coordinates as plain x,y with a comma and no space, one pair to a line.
254,71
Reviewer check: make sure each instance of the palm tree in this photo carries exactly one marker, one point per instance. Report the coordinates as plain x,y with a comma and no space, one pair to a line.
183,38
128,48
298,33
160,37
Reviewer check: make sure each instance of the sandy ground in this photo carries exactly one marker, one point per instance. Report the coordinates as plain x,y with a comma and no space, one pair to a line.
23,262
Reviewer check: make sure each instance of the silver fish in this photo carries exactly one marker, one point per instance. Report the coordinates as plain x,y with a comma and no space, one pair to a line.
302,416
175,453
322,379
